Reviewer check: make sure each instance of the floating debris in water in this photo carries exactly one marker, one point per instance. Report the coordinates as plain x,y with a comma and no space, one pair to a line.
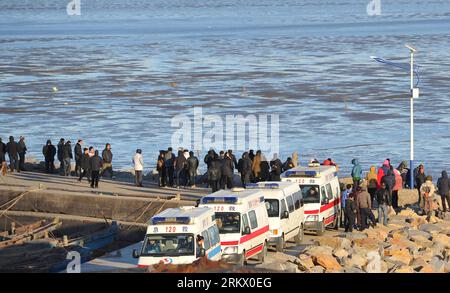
55,89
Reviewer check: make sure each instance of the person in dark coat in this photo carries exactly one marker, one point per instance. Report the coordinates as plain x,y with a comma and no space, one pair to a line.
3,164
265,168
288,164
233,159
84,165
245,168
60,152
251,155
227,172
443,185
12,148
420,179
180,167
95,165
384,200
78,150
68,156
215,173
161,168
49,152
389,180
169,162
107,157
22,150
276,168
350,213
192,165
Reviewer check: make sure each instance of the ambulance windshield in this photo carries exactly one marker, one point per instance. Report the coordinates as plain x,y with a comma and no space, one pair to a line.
168,245
228,222
273,207
310,193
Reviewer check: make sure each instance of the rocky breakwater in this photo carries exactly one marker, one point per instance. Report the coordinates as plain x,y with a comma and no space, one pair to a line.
409,244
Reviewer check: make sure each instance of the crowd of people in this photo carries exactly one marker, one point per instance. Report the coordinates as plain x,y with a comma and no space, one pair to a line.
381,192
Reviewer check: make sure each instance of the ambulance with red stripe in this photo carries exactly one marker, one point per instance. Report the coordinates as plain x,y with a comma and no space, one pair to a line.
180,236
243,223
321,195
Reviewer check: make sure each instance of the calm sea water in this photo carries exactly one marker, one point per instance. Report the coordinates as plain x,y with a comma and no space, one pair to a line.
123,69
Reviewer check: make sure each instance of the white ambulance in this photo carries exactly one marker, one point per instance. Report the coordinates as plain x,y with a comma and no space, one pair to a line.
243,223
180,236
321,194
284,203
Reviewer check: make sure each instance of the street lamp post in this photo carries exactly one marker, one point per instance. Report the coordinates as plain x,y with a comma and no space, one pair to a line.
414,94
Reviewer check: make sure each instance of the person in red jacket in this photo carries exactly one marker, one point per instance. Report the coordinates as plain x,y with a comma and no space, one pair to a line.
382,171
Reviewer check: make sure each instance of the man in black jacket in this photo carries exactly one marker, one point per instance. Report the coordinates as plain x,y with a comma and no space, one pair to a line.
22,150
180,169
12,150
61,147
384,202
192,165
227,172
84,165
67,158
95,165
78,150
443,185
3,165
169,161
350,212
214,173
245,168
49,152
107,158
276,168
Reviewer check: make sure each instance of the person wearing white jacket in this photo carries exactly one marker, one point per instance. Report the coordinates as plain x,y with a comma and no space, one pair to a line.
138,162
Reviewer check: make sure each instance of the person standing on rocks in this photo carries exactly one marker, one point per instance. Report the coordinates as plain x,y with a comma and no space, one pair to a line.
420,179
384,201
350,213
372,183
169,161
180,168
95,165
365,209
382,171
61,147
276,168
84,165
430,202
227,172
138,161
251,155
22,150
67,158
161,169
107,157
256,167
404,171
356,173
3,164
192,166
78,150
443,185
344,196
49,152
12,148
288,164
398,185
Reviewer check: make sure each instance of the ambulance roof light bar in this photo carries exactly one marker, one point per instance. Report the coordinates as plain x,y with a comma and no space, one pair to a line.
171,220
220,199
262,185
302,173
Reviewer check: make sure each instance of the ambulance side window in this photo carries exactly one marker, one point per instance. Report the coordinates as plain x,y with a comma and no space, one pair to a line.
290,203
283,207
323,194
214,236
253,221
245,221
329,191
206,240
297,199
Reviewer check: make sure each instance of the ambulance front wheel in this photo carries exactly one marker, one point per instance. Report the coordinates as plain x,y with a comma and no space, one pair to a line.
280,244
321,229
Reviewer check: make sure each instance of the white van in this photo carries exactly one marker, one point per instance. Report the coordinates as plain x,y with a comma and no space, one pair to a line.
243,223
284,203
173,237
321,195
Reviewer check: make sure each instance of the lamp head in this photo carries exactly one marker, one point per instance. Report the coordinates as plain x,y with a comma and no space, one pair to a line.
411,48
